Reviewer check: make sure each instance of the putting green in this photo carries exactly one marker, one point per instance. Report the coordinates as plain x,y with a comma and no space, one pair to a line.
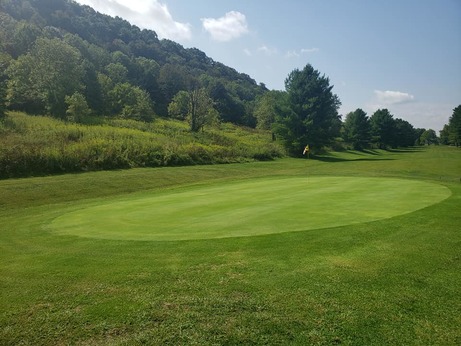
250,207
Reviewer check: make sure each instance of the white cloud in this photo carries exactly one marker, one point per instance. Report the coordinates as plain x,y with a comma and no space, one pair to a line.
292,54
389,97
266,50
296,54
232,25
247,52
310,50
147,14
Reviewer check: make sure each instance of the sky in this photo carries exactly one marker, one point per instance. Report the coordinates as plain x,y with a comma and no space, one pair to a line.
403,55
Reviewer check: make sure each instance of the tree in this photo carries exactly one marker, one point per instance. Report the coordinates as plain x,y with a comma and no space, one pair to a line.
117,72
129,101
312,117
357,129
40,80
454,127
196,106
179,106
147,73
418,133
24,36
266,108
444,135
428,137
405,134
106,85
230,107
77,107
171,80
22,93
3,64
383,128
201,108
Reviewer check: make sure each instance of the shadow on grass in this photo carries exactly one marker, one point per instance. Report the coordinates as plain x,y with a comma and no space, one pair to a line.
365,155
406,150
343,159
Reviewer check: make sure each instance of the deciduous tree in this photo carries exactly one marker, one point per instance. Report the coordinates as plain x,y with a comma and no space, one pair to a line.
196,106
132,102
40,80
267,108
428,137
77,107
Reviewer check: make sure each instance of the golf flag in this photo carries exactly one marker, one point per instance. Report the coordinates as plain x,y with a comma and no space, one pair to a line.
306,150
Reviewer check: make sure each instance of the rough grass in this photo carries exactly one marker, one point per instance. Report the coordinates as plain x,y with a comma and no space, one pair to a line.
388,282
36,145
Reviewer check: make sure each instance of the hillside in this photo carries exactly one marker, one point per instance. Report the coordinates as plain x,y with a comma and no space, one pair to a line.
108,58
37,145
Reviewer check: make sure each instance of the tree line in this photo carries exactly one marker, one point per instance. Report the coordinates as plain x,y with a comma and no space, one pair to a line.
307,114
68,61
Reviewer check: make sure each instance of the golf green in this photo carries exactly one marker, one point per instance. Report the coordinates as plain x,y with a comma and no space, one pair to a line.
249,207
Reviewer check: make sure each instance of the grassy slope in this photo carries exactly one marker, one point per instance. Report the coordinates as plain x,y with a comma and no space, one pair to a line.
37,145
394,281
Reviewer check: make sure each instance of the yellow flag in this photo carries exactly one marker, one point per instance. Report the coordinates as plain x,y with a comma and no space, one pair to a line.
306,150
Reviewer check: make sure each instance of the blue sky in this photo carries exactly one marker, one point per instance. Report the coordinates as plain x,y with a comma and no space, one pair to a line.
403,55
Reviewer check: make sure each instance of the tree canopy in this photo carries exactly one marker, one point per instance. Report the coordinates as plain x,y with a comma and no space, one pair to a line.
453,128
311,116
56,48
357,129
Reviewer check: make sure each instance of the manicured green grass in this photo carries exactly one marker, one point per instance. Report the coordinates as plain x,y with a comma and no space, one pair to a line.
392,281
248,208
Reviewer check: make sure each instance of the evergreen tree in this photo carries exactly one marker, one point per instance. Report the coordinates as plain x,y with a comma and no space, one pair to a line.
383,128
312,117
405,134
454,127
357,129
444,135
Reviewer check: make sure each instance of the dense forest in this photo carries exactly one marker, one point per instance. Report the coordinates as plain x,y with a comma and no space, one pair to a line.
59,48
67,61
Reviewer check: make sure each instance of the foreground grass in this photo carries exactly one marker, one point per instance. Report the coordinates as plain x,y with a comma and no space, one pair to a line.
394,281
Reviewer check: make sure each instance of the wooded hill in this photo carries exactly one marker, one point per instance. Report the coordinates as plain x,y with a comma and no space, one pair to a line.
62,48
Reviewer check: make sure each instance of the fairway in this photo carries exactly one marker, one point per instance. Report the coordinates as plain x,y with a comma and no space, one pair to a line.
353,248
248,208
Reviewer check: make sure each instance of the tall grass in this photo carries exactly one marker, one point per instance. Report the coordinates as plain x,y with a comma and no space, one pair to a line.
36,145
